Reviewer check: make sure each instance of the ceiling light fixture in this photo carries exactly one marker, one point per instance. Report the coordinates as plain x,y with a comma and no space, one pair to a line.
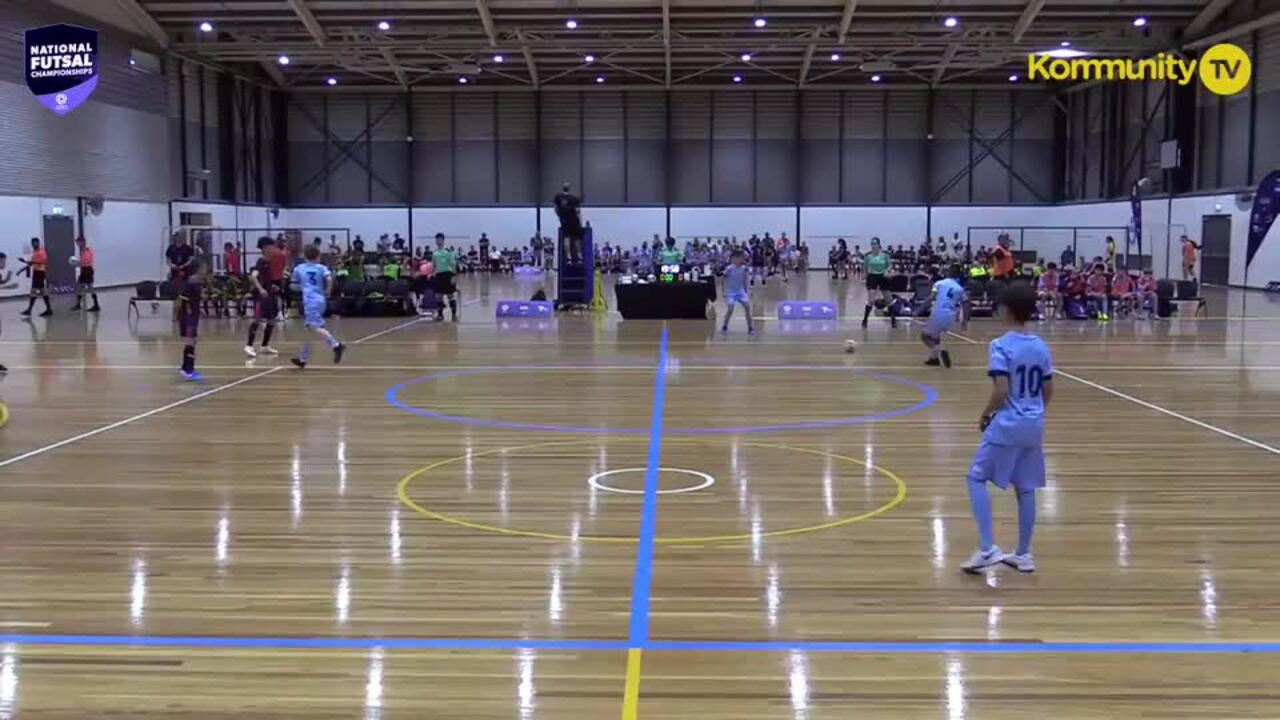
384,26
746,57
875,78
1064,53
1139,22
332,81
589,58
951,22
737,78
571,24
835,57
1065,43
761,22
206,26
463,81
599,79
283,59
498,59
1013,78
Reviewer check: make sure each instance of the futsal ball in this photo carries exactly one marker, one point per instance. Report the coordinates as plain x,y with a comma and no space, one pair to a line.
4,414
851,346
73,261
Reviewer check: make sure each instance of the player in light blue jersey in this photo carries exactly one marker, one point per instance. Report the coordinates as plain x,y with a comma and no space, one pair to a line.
948,301
736,277
1012,448
317,283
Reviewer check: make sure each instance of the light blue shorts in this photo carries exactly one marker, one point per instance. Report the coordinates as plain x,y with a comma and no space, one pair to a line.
1005,465
938,324
737,297
313,314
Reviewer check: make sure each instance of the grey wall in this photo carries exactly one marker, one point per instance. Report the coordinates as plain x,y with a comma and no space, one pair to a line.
115,145
1228,144
731,147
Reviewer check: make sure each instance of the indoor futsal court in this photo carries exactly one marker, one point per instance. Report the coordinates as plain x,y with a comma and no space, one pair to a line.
453,524
639,359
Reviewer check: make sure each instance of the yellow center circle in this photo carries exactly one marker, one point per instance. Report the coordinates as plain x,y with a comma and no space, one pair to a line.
1225,69
402,490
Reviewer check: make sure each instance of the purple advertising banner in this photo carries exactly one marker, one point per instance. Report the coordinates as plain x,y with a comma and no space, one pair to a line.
1266,202
61,65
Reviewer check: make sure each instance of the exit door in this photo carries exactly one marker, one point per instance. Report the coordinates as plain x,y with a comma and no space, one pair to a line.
1215,250
60,243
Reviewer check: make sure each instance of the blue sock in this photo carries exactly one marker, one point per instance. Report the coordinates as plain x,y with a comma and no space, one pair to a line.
305,353
1026,520
980,503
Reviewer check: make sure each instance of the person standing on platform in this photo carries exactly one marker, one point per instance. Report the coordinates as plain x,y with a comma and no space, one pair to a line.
1189,249
736,279
38,265
84,281
568,208
878,294
1012,423
445,266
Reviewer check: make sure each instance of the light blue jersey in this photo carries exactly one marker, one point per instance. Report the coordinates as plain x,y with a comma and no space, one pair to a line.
313,278
947,296
1023,358
735,280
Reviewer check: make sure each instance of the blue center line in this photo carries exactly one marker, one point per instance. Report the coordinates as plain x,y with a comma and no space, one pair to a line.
642,584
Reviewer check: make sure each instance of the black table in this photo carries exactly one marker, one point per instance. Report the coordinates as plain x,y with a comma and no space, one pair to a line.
666,301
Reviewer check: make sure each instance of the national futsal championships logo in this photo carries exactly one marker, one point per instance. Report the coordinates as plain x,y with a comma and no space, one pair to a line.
61,66
1223,69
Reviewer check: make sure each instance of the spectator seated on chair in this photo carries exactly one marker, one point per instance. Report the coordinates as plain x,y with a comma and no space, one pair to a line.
1146,296
1050,292
1123,294
1096,293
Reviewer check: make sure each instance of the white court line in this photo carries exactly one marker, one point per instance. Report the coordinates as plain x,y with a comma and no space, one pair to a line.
623,368
1170,413
1150,406
165,408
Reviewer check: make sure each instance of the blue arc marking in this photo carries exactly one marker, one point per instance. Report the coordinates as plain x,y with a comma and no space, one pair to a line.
853,648
928,393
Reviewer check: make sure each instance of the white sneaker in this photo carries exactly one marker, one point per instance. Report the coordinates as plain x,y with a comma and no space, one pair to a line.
983,559
1021,563
248,350
268,350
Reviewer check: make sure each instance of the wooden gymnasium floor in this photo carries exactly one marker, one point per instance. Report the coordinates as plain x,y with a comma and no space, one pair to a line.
413,535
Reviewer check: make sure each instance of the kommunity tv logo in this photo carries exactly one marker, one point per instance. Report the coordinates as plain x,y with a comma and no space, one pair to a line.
1223,69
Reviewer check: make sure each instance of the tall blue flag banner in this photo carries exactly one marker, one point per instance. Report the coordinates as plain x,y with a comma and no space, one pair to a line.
1266,202
1135,218
61,65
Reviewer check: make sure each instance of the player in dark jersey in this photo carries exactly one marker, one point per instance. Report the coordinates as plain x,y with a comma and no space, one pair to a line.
189,317
265,303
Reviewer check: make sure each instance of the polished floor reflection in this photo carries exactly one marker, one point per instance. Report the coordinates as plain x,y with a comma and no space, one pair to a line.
451,523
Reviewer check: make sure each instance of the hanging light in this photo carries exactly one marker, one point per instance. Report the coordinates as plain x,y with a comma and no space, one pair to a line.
1139,22
746,57
463,81
589,58
875,78
283,59
835,57
332,81
571,24
206,26
599,79
384,26
498,59
951,22
760,22
737,78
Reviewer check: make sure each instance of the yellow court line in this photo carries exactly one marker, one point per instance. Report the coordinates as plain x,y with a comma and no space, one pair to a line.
402,490
631,696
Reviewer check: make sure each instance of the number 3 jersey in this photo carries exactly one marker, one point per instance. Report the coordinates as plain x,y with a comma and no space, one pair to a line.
1025,359
312,278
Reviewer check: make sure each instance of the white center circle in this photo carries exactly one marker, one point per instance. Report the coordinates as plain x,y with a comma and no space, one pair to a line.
706,481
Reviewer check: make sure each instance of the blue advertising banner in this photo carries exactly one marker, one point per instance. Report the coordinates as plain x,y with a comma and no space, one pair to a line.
1266,202
61,65
1135,217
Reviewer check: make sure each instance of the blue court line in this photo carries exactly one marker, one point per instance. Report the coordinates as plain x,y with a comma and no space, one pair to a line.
642,584
856,648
